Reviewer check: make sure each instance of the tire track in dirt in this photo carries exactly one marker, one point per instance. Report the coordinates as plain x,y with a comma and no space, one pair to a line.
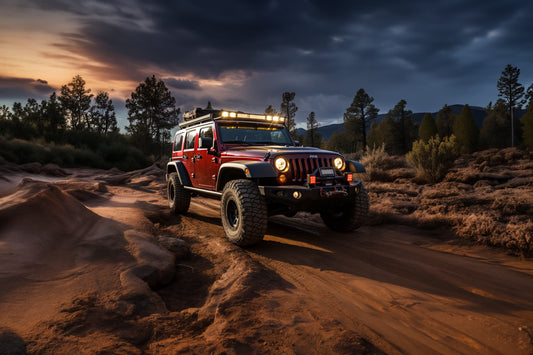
388,284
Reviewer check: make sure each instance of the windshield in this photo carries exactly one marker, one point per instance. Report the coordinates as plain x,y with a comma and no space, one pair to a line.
245,133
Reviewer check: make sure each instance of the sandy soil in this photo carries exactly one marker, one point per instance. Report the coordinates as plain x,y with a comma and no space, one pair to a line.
93,262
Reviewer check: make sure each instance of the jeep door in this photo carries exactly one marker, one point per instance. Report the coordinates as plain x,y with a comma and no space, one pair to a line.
188,153
206,166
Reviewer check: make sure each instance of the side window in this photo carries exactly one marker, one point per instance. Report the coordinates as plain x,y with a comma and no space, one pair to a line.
178,143
206,132
189,140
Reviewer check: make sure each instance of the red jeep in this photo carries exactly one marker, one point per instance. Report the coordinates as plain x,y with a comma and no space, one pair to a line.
251,163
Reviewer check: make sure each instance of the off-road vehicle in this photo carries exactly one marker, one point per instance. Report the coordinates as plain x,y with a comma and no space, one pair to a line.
253,166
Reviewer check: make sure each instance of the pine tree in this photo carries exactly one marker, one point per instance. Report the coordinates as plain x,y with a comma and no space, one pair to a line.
76,100
54,118
512,92
102,113
428,128
466,131
527,120
271,111
209,107
152,113
494,133
358,116
288,109
527,129
445,118
313,138
406,131
383,132
339,142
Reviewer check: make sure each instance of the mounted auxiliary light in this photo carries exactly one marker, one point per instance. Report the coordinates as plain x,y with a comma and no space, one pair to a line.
252,116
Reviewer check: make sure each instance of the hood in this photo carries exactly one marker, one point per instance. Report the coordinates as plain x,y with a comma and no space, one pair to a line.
260,151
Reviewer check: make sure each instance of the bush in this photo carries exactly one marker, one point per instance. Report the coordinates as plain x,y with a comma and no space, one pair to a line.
433,159
378,163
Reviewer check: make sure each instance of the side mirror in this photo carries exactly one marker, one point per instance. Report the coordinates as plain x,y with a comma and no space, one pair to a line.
212,150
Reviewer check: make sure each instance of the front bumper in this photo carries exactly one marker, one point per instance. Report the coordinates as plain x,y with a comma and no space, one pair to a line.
302,198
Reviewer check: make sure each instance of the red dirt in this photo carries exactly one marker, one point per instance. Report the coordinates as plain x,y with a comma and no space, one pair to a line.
78,257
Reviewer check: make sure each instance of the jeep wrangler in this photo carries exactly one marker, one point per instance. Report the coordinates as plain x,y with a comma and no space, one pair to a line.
253,166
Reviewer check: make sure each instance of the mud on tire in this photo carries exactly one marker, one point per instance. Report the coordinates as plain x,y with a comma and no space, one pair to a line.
349,217
243,211
179,199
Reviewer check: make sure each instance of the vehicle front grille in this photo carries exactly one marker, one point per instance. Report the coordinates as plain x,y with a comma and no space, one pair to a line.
300,167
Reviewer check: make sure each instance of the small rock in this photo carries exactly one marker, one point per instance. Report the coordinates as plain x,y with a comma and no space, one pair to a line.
175,245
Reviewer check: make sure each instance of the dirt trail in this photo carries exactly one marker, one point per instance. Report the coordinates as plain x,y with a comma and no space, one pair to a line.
303,290
401,288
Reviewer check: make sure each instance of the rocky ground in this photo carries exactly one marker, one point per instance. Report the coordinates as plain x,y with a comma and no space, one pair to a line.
93,262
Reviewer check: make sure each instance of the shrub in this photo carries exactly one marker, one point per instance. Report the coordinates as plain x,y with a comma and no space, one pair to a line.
433,159
378,163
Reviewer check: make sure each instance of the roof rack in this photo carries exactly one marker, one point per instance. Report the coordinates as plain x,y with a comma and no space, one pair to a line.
197,120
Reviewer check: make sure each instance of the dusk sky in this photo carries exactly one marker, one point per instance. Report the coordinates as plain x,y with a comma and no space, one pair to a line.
244,54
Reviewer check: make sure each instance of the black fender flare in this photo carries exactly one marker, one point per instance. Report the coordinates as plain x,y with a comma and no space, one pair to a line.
354,166
179,168
250,169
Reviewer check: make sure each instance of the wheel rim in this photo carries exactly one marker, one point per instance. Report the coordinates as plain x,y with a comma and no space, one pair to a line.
232,214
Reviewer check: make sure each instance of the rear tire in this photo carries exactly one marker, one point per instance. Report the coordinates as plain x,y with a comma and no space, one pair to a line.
348,217
179,199
243,212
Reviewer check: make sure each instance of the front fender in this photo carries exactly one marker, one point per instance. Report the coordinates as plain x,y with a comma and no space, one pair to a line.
354,166
250,169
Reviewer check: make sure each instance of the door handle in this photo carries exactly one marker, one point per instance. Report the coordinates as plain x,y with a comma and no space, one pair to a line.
198,156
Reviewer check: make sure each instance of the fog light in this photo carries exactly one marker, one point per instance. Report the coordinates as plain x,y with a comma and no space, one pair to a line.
350,177
282,178
312,179
296,194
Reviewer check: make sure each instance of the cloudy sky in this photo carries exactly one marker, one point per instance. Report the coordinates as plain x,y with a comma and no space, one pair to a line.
243,54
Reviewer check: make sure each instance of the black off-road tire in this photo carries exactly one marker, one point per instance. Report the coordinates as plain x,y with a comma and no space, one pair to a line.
179,199
243,212
349,217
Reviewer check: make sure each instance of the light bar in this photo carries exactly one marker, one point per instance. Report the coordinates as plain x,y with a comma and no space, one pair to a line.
252,116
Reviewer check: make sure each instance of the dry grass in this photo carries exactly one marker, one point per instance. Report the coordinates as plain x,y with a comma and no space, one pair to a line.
487,197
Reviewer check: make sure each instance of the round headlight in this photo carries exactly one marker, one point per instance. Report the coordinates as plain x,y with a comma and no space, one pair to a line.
281,164
339,163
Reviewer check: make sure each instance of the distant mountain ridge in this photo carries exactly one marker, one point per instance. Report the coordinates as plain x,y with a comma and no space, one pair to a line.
478,113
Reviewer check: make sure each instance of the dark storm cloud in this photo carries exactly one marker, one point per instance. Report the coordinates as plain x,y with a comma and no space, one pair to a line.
19,88
182,84
429,53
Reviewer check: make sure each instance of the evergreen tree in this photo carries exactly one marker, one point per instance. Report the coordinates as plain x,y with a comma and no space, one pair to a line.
102,113
313,138
529,98
428,128
494,133
466,131
358,116
406,131
288,109
152,113
527,129
512,91
76,101
209,107
54,118
383,133
271,111
5,113
339,142
445,118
